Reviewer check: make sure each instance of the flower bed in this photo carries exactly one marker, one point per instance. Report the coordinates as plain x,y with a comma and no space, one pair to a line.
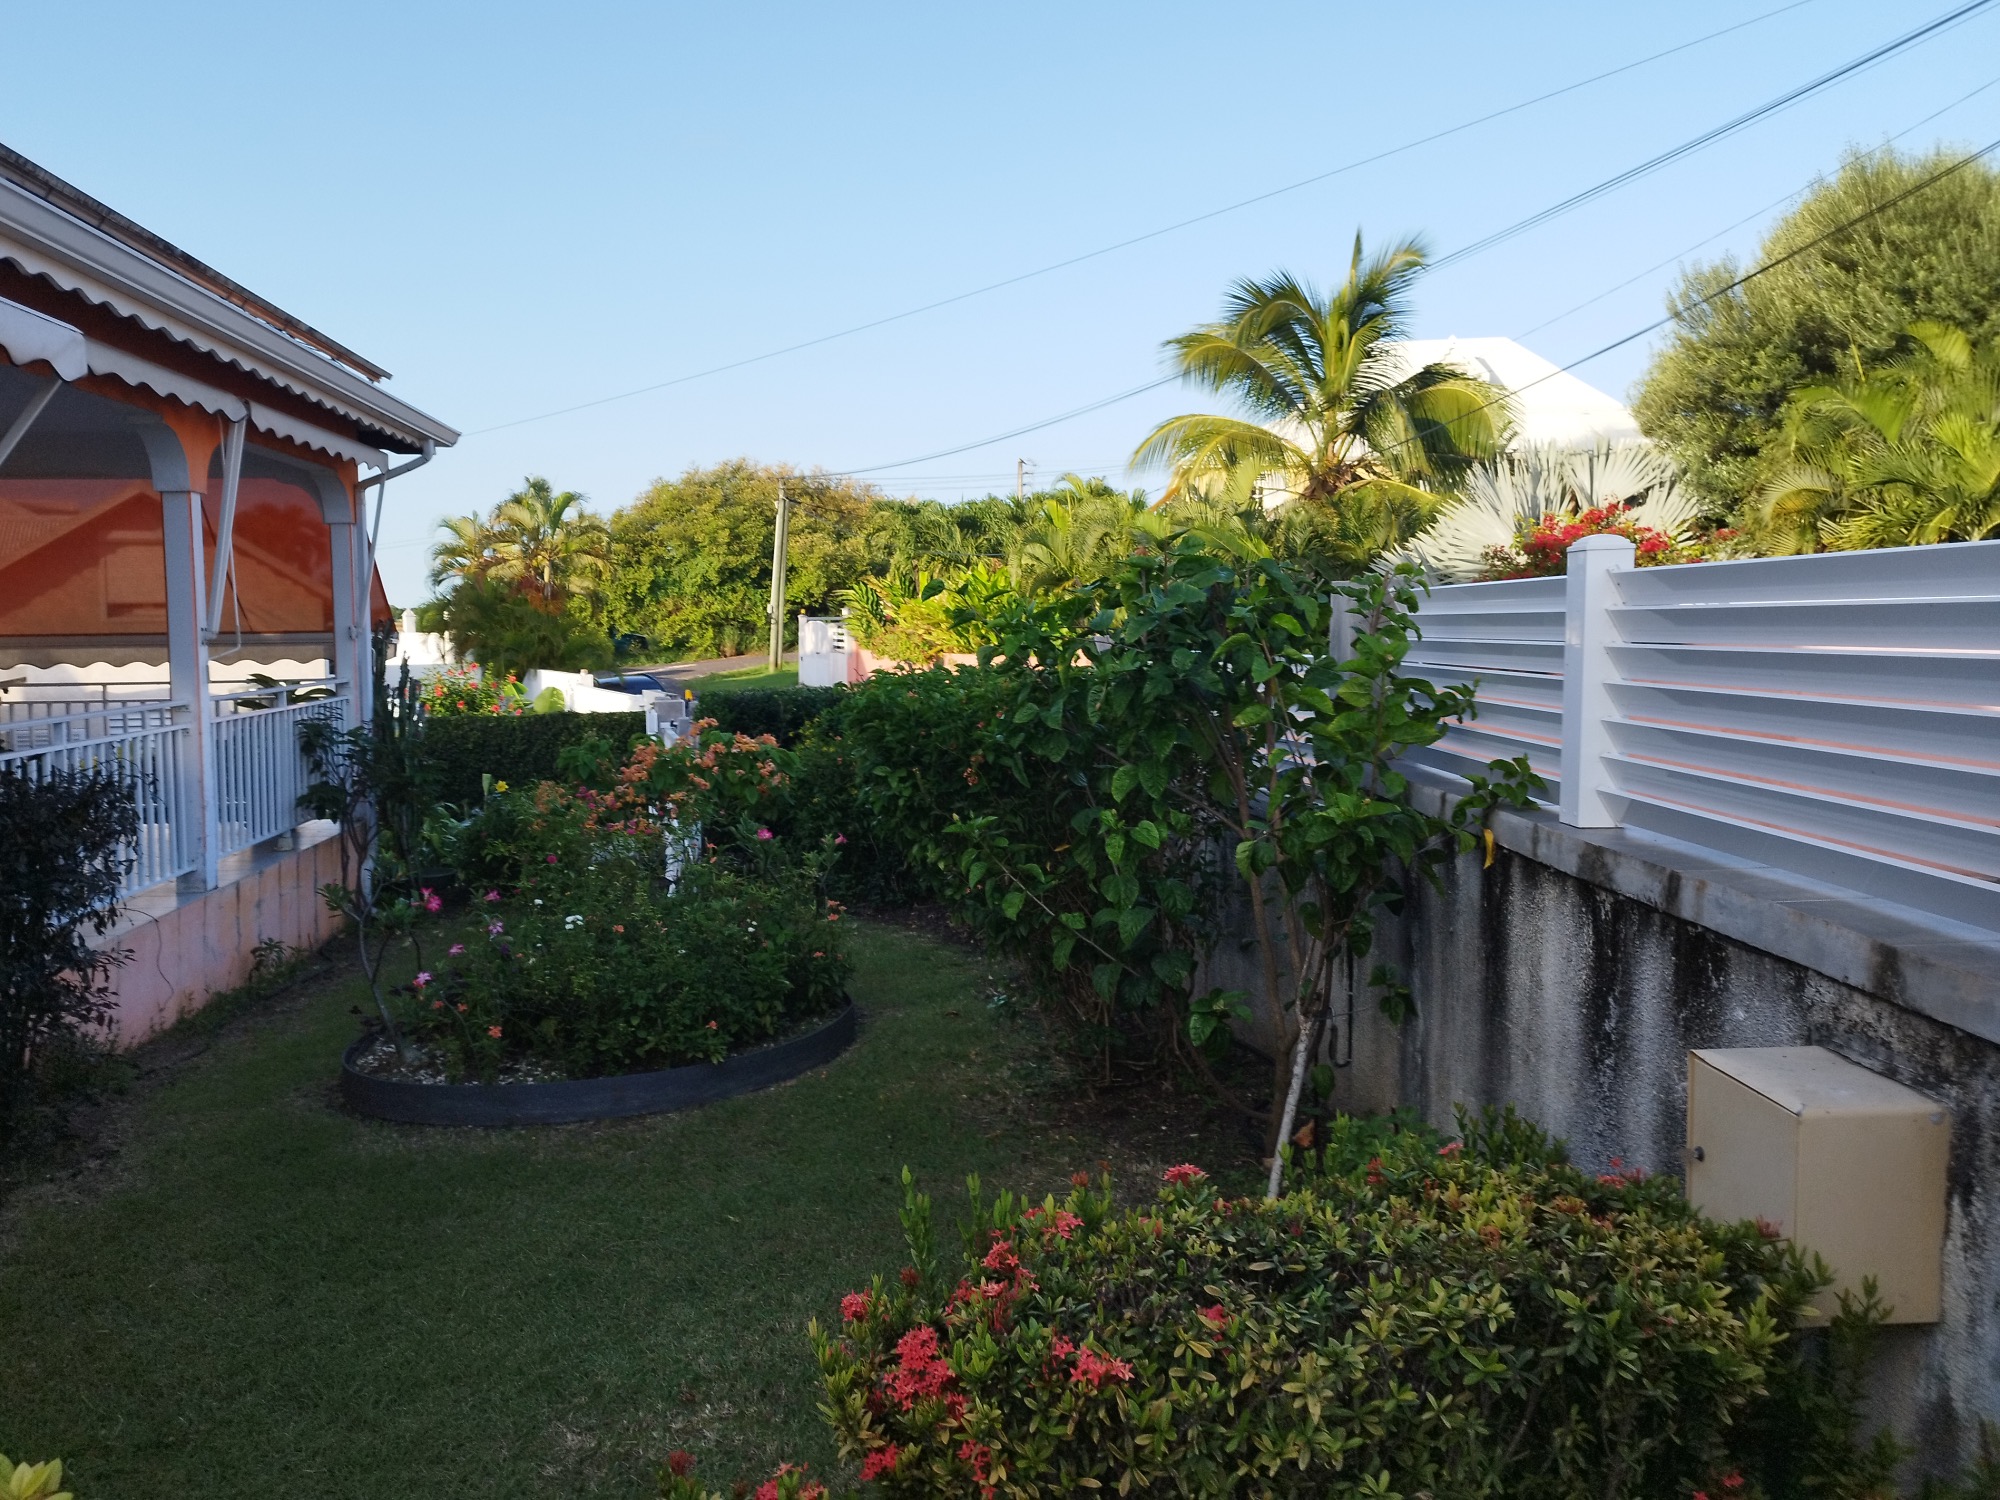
581,959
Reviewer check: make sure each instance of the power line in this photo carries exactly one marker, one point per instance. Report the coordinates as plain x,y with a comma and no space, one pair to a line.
1727,228
1153,234
1709,137
1652,327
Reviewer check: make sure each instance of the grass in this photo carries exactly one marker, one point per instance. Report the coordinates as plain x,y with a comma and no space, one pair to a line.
745,677
260,1295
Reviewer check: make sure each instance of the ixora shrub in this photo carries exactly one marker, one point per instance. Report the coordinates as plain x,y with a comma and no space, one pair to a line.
61,859
467,690
463,750
586,959
782,713
1414,1317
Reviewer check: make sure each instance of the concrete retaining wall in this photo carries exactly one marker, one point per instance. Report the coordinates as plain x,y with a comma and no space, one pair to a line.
1571,978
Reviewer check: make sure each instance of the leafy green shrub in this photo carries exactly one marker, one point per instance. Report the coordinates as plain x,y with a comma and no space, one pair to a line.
782,713
887,766
1462,1318
62,857
462,749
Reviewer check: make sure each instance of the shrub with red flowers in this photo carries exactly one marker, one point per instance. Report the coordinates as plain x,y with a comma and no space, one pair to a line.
1413,1317
467,690
1541,548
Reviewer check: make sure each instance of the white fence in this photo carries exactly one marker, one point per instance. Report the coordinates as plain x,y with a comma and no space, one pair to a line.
1835,716
144,746
260,771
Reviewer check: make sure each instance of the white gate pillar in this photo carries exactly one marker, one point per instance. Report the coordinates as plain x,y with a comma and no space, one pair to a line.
1588,671
187,670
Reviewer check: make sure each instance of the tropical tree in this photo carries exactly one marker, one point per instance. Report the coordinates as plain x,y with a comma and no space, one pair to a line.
548,545
464,551
1717,392
1507,495
1340,428
1899,455
1079,533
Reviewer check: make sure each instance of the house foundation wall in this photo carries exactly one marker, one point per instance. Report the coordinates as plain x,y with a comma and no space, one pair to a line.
183,948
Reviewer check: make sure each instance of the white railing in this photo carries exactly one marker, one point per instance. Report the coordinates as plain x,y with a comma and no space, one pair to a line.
260,771
1835,716
143,747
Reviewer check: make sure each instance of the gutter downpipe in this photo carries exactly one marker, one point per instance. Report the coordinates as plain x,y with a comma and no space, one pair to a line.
364,580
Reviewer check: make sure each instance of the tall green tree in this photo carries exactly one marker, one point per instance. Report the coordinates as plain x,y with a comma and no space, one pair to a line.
1339,429
693,555
1716,393
1897,456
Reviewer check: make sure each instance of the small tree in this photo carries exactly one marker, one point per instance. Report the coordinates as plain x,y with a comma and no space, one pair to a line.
1192,701
67,847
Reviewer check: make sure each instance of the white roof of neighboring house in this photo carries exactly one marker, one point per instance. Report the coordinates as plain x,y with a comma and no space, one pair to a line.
1550,406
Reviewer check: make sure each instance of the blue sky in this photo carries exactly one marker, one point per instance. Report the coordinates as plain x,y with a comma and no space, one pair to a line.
519,208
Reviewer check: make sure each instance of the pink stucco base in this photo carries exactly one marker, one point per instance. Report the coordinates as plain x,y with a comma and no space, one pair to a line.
863,664
185,947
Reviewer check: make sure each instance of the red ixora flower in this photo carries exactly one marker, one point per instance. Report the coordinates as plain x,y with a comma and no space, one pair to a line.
1187,1171
909,1276
1093,1369
680,1462
854,1307
1451,1148
763,833
552,859
881,1461
1216,1316
494,1032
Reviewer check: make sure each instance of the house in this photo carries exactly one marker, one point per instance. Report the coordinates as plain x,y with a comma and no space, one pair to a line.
191,480
1550,404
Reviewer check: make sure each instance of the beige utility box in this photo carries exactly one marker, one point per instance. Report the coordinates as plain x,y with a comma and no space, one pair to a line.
1839,1160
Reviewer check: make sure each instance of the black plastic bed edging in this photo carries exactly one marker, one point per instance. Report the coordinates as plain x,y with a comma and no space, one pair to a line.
570,1100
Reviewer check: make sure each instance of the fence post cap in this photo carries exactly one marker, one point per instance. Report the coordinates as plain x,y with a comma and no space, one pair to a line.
1603,541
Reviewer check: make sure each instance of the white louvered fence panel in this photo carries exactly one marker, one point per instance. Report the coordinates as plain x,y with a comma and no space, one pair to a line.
1835,716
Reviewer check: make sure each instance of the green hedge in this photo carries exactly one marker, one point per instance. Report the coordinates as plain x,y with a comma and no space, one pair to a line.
462,748
782,713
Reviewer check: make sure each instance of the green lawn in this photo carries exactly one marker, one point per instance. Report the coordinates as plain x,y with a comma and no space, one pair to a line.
261,1296
745,677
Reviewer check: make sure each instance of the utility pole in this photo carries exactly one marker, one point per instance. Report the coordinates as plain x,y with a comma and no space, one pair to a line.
1020,478
778,546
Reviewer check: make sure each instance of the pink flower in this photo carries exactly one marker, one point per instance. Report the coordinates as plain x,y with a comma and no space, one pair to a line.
1216,1316
422,979
711,1025
494,1032
854,1307
492,895
494,929
840,838
1451,1148
1066,1223
456,949
1187,1171
763,833
432,901
552,859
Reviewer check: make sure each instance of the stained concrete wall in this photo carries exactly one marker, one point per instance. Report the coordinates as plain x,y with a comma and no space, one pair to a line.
183,947
1572,977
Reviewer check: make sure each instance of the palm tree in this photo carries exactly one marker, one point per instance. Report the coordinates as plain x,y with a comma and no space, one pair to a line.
464,551
1899,456
1343,428
548,545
